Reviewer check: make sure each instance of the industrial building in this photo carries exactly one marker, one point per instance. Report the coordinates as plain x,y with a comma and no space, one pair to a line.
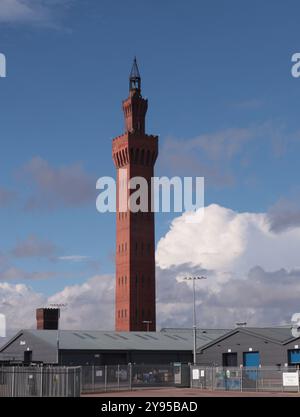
70,347
252,347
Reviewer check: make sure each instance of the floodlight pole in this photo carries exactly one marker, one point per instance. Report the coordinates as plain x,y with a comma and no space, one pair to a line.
194,317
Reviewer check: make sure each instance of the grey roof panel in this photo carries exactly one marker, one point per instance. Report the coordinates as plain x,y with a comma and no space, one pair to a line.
173,339
279,334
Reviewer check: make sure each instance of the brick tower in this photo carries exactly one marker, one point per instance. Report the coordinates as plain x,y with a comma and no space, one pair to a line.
135,154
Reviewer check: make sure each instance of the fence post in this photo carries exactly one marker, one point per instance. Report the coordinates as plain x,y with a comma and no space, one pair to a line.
13,382
80,381
41,385
105,378
93,377
256,379
67,381
118,377
74,379
241,379
130,376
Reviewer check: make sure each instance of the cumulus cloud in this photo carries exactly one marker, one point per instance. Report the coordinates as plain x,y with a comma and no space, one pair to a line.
261,298
225,240
18,302
253,273
65,186
285,214
88,305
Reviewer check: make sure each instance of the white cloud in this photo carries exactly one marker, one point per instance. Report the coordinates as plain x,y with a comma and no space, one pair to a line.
74,258
18,303
88,305
228,241
253,276
15,10
253,273
30,11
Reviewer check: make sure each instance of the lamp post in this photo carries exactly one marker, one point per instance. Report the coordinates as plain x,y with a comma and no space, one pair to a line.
194,315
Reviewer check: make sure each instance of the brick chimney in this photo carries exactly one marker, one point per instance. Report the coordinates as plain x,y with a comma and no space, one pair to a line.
47,318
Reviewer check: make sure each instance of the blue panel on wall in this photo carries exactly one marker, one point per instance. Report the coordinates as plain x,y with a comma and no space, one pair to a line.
294,356
251,359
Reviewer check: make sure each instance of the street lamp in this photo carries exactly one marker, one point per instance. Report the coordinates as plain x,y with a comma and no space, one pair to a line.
148,322
194,315
58,306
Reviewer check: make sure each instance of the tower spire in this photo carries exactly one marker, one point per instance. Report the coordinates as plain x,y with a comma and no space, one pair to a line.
135,78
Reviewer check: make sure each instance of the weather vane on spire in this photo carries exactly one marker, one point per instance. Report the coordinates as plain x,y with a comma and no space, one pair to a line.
135,78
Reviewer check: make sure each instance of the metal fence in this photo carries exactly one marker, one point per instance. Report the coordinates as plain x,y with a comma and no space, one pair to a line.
105,378
245,379
127,377
40,381
46,381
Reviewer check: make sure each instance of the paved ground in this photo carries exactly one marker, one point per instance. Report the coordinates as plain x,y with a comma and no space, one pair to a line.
189,392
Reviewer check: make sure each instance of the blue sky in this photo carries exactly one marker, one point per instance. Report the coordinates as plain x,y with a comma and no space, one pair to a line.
211,69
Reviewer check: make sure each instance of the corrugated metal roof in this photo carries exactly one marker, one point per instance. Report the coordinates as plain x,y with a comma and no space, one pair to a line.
168,339
279,335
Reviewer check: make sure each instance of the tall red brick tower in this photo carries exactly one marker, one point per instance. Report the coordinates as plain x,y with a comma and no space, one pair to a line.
135,154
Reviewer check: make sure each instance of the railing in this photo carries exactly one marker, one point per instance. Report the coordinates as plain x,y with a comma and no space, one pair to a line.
127,377
245,379
40,381
51,381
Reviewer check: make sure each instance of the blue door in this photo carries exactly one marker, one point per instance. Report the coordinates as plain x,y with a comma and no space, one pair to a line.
294,357
251,359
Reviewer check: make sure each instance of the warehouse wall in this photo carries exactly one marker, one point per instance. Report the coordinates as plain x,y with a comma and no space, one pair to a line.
41,351
271,354
79,357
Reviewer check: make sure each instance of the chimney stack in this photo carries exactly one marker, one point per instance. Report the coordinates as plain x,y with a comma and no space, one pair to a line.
47,318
